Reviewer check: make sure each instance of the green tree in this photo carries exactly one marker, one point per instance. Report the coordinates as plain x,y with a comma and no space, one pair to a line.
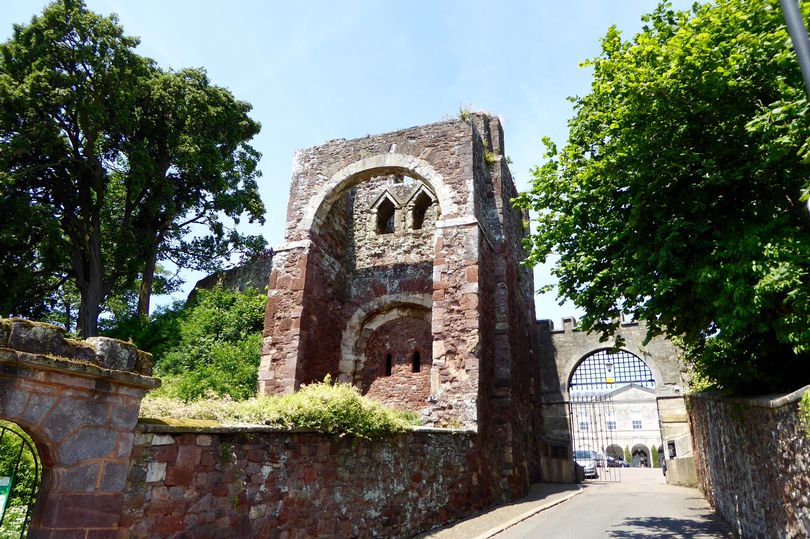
656,463
212,344
676,200
112,160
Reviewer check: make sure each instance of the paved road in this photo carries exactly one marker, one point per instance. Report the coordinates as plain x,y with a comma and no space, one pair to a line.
641,505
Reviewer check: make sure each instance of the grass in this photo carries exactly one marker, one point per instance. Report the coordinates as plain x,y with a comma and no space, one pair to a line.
322,407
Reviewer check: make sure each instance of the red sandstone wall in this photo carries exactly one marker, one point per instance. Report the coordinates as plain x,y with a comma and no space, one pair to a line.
265,484
402,387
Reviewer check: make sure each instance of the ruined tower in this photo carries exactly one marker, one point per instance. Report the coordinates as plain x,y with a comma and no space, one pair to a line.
400,274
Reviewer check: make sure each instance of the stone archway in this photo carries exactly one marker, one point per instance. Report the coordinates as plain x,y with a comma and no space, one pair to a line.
369,317
359,171
565,349
79,403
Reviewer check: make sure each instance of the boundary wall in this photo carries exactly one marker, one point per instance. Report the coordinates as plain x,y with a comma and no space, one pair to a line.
258,482
753,462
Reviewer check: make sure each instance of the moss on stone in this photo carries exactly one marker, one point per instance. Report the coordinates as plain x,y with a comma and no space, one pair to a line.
171,422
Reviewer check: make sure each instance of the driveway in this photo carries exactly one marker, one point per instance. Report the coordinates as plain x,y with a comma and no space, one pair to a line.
641,505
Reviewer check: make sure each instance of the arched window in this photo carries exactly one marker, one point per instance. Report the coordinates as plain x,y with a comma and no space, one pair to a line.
420,208
385,217
389,364
416,362
607,370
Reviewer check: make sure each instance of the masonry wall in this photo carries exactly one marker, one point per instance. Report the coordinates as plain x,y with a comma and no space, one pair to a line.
753,462
255,483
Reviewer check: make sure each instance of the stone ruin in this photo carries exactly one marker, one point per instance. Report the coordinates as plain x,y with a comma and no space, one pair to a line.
400,273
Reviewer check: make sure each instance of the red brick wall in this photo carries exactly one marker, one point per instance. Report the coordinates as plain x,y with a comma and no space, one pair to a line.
265,484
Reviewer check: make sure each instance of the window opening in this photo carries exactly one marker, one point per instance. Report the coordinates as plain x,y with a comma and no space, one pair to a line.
389,364
420,208
604,371
385,217
416,363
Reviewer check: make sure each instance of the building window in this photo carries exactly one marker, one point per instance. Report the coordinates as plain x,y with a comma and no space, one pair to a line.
611,424
583,423
389,364
416,362
635,416
385,217
420,208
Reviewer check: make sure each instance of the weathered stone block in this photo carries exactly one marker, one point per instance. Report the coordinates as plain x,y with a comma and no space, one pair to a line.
87,443
35,337
83,478
114,354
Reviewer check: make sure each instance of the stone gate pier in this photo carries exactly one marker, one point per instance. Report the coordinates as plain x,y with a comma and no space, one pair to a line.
79,402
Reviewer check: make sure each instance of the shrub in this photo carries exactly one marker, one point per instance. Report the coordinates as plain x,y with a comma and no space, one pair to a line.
321,407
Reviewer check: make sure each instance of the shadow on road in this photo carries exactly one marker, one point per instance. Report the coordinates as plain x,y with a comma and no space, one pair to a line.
667,527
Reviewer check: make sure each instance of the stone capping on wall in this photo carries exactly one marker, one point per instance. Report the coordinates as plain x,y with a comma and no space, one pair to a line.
145,425
77,368
49,341
765,401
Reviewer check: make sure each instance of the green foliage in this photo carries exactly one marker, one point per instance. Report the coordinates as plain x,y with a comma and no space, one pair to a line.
804,406
322,407
464,112
628,457
211,345
677,198
654,457
490,157
106,164
25,482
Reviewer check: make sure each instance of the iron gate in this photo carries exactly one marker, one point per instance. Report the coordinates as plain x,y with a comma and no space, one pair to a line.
593,417
20,476
593,421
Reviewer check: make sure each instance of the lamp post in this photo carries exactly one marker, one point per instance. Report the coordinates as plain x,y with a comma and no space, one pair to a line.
798,35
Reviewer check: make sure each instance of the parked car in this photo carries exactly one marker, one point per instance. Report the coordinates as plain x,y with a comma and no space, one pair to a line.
616,462
587,459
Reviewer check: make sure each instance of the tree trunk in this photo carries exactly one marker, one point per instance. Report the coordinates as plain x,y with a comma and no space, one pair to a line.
91,286
147,280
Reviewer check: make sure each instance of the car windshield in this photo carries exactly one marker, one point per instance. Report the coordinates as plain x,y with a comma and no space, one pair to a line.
583,455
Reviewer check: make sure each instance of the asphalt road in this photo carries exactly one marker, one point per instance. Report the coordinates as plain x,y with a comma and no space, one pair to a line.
641,505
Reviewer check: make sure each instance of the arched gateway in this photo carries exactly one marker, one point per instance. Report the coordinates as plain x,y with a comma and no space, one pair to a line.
582,381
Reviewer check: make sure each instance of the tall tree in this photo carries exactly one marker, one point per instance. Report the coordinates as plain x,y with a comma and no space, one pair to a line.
109,150
188,165
677,197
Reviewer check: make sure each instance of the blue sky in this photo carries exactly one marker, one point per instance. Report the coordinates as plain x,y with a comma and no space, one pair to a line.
321,70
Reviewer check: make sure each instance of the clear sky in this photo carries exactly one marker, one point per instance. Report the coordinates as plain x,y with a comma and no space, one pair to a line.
321,70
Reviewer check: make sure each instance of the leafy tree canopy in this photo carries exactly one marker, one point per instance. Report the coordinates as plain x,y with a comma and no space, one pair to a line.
677,198
107,162
211,345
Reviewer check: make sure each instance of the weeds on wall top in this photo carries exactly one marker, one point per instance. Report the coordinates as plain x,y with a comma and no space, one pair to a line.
321,407
804,406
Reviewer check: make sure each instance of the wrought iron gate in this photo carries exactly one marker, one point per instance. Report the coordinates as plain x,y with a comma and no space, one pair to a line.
592,424
20,476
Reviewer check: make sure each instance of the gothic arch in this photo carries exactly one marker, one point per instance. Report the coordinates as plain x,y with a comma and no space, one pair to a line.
642,372
359,171
370,316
